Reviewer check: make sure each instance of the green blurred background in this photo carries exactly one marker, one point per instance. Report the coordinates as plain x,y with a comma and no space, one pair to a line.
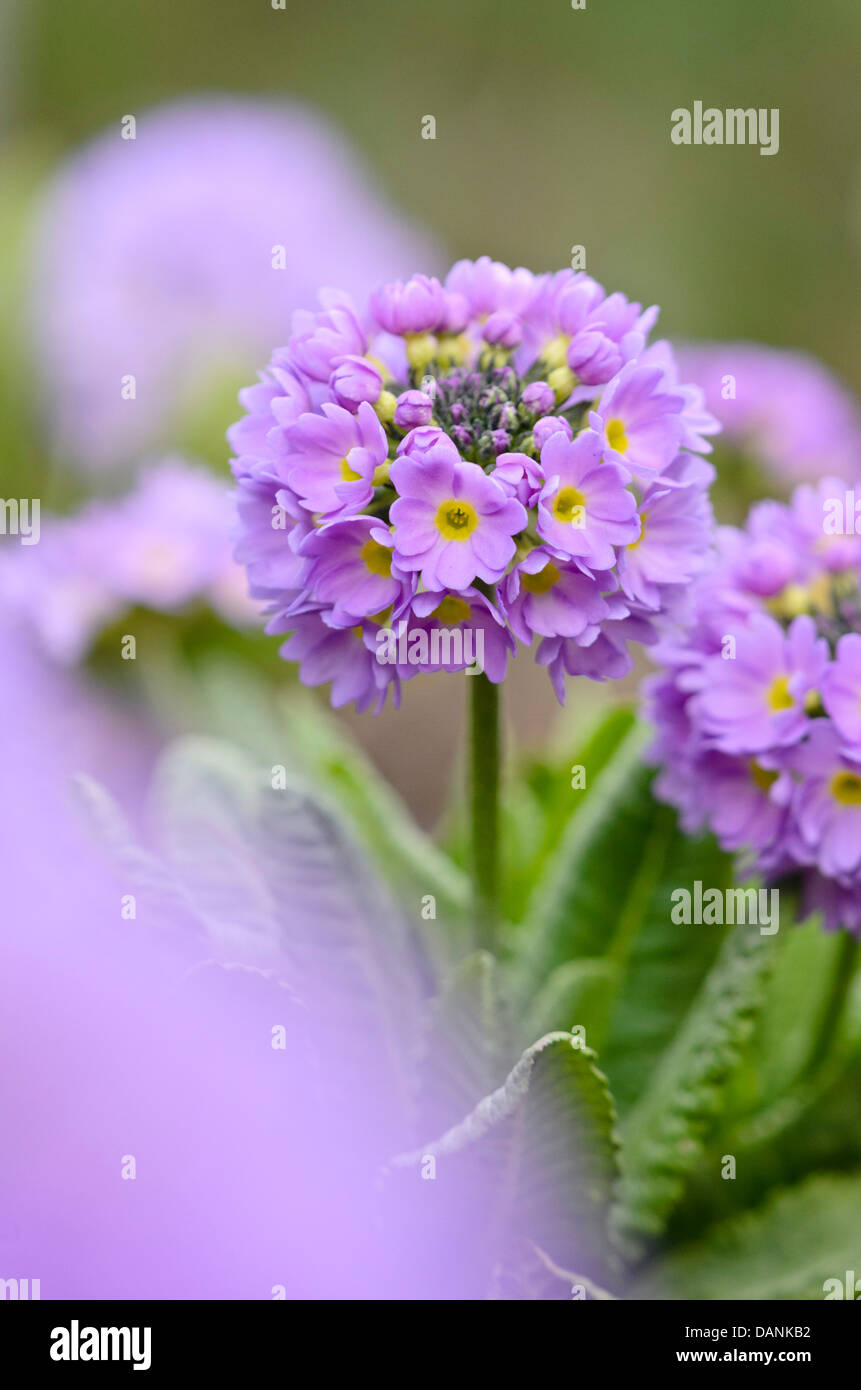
553,129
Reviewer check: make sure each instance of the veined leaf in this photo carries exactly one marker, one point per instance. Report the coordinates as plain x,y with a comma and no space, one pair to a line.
663,1134
577,994
785,1249
464,1043
408,857
539,1154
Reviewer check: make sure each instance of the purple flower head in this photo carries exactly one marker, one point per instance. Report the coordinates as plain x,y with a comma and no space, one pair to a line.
344,657
697,422
521,477
758,703
350,567
185,253
841,688
332,458
414,410
548,597
419,443
605,657
355,380
828,802
320,340
417,306
756,699
585,509
271,526
675,532
489,286
783,410
502,329
571,322
452,522
549,425
639,420
539,398
164,545
439,431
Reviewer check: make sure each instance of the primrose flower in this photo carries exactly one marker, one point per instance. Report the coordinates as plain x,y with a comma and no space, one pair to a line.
351,567
475,457
584,509
332,458
452,522
641,422
757,703
758,700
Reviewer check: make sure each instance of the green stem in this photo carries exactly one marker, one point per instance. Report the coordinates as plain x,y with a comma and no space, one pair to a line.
484,805
832,1015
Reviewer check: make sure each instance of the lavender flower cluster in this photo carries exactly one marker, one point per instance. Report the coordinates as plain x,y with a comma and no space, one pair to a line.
162,546
758,704
501,453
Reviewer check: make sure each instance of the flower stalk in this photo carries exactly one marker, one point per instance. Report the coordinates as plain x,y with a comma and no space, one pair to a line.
484,765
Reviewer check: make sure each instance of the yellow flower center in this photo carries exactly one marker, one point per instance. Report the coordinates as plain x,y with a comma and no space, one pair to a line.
846,788
555,351
349,474
452,610
570,505
616,436
763,777
541,582
377,558
778,696
456,520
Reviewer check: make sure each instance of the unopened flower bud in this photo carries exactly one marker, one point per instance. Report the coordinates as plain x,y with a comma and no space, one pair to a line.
502,330
539,398
414,408
354,380
549,425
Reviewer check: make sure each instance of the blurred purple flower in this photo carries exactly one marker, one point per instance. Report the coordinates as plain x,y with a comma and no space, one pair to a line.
184,252
782,409
162,546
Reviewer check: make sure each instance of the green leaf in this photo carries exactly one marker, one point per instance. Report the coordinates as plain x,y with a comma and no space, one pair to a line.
541,1151
660,964
577,994
410,860
663,1135
785,1249
464,1042
578,904
540,802
608,896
